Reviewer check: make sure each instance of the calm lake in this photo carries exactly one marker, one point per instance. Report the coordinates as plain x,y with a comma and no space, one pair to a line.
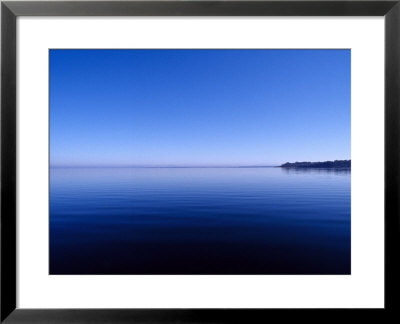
199,221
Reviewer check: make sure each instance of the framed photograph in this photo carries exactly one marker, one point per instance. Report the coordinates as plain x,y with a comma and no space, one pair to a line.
199,161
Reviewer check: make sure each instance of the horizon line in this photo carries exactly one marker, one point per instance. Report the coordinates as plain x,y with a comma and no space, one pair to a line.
171,166
184,166
165,166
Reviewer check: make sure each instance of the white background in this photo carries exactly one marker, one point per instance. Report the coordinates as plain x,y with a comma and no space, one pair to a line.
363,288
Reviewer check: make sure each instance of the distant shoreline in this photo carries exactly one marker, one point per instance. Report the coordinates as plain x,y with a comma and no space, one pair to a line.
337,164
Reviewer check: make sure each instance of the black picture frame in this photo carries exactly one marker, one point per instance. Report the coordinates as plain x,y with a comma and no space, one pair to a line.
10,10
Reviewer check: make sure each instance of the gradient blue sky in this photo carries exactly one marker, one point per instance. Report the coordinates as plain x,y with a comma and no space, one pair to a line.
198,107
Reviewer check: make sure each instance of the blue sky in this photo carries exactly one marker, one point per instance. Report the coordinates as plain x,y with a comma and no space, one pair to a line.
198,107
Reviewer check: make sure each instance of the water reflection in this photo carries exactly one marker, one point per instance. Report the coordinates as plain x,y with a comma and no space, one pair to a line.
316,170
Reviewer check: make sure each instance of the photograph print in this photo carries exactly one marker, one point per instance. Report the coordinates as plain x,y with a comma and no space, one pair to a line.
199,161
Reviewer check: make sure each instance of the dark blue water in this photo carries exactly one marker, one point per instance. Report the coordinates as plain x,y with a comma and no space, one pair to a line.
199,221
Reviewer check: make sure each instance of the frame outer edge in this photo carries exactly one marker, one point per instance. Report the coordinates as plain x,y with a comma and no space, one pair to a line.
392,158
203,8
8,163
8,172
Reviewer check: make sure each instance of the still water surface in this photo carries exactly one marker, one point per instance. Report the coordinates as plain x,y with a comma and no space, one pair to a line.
199,221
